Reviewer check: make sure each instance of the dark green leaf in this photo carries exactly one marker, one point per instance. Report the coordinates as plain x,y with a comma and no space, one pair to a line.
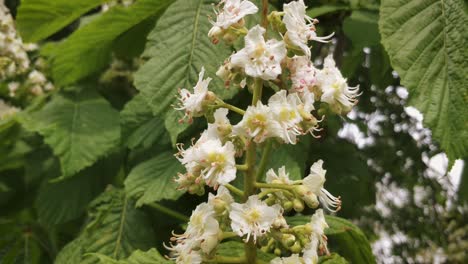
153,180
115,229
151,256
362,28
326,9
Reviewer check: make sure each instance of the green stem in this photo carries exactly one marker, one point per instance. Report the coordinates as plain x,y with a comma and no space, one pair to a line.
250,175
169,212
257,91
242,167
227,235
230,107
274,186
265,158
234,190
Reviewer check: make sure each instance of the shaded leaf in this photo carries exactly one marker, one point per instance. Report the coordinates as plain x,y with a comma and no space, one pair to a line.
362,28
153,180
115,229
151,256
326,9
236,249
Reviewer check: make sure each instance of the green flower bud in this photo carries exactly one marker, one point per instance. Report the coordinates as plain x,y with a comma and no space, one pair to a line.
288,240
277,252
298,205
276,20
296,248
288,205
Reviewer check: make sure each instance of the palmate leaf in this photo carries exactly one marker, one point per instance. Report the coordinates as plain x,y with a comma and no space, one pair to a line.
115,229
177,49
80,128
344,237
153,180
88,49
38,19
426,42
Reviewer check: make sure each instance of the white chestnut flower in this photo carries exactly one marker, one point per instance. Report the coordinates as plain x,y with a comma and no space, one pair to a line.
192,103
335,90
314,182
304,81
293,259
310,255
37,77
221,127
202,233
285,112
183,253
318,225
230,12
211,159
258,124
253,218
259,58
222,201
300,27
282,176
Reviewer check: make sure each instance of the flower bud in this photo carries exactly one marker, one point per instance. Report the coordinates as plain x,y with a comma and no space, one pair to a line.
288,240
277,252
298,205
288,205
275,19
296,247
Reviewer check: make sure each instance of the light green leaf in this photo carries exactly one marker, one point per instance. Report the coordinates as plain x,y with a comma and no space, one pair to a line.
326,9
38,19
153,180
80,128
115,229
177,49
151,256
426,42
88,49
140,128
344,237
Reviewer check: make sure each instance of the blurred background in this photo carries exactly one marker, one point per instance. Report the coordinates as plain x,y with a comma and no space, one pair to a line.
393,178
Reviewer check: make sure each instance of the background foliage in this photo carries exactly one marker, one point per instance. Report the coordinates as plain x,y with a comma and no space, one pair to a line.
85,169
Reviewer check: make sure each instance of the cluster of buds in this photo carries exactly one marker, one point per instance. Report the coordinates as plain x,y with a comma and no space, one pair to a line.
289,113
18,73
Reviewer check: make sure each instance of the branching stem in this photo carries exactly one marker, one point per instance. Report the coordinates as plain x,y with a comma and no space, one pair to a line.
169,212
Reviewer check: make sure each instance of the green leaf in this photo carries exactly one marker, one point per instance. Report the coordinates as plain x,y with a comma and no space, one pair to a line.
426,42
115,229
343,237
293,157
326,9
153,180
38,19
177,49
151,256
88,50
236,249
362,28
140,128
79,191
80,128
332,259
